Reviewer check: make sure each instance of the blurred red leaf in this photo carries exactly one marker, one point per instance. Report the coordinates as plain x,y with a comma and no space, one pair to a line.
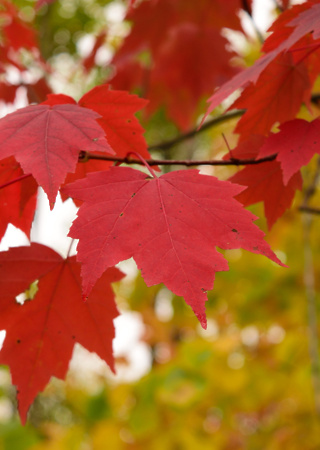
296,143
187,55
302,23
265,184
89,61
276,97
41,334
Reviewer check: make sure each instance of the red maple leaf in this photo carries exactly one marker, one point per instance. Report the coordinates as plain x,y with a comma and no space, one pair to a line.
116,110
82,169
178,77
17,200
116,117
52,138
304,22
41,334
276,97
296,143
280,31
171,225
265,184
187,53
307,21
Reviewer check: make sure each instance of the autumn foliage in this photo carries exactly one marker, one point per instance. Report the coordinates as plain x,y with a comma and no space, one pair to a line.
174,225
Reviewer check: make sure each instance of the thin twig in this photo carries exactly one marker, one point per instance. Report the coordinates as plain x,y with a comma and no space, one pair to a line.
309,210
85,156
166,145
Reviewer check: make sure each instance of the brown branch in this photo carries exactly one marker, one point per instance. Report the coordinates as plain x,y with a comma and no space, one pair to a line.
309,210
190,134
166,145
85,156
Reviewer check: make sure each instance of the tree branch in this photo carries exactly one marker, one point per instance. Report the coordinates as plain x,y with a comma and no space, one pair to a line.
166,145
309,210
85,156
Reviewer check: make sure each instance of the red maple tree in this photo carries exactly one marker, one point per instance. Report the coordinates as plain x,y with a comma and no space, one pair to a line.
171,224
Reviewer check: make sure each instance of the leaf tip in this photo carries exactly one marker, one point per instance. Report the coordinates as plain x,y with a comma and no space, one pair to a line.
203,320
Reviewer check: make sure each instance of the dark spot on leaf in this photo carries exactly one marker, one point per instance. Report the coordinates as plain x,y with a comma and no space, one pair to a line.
255,248
95,139
121,214
133,194
234,230
73,337
18,341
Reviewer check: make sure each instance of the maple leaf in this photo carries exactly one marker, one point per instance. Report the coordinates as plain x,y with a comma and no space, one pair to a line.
181,36
178,77
116,117
276,96
17,200
116,110
41,334
265,184
81,171
171,226
280,31
296,143
305,21
52,138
